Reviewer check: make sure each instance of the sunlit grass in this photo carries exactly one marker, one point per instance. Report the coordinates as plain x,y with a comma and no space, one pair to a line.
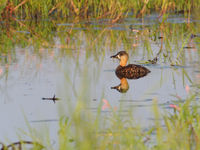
88,9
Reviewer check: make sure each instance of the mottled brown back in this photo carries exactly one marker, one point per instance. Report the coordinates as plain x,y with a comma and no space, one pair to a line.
131,71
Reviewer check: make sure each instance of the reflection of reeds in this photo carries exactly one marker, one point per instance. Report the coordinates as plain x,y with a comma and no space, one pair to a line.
20,145
170,38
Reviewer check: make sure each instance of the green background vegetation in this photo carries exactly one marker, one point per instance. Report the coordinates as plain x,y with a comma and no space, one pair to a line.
92,8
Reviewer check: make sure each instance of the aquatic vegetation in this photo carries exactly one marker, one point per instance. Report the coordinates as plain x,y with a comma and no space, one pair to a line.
116,9
42,35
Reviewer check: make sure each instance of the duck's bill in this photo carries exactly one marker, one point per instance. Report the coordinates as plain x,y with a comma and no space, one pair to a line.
115,87
115,56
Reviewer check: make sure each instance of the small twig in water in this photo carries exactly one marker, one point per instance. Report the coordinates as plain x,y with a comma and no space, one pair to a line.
54,99
153,61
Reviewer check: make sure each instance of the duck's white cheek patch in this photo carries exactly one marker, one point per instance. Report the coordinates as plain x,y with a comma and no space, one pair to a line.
118,56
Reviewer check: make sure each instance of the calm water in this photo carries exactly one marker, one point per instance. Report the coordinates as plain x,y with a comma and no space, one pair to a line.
86,72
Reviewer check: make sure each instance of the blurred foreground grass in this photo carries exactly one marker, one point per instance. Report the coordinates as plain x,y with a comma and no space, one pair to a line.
178,129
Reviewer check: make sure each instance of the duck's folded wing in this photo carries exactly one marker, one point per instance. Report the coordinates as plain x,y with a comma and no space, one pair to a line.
137,68
134,71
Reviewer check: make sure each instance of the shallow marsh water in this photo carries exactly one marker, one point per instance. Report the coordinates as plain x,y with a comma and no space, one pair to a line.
84,71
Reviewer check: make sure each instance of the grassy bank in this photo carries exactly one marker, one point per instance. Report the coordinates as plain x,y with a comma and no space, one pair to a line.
114,9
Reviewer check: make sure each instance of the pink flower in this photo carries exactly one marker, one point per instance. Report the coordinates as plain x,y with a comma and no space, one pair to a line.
134,30
178,97
187,88
175,107
1,71
105,104
135,45
115,108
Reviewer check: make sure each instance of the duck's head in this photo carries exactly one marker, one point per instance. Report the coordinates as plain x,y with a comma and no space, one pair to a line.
122,56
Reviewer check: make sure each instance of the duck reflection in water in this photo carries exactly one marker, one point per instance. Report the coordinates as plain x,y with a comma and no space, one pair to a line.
124,72
122,87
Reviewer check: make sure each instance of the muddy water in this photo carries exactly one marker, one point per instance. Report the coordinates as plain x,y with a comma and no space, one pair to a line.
87,74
